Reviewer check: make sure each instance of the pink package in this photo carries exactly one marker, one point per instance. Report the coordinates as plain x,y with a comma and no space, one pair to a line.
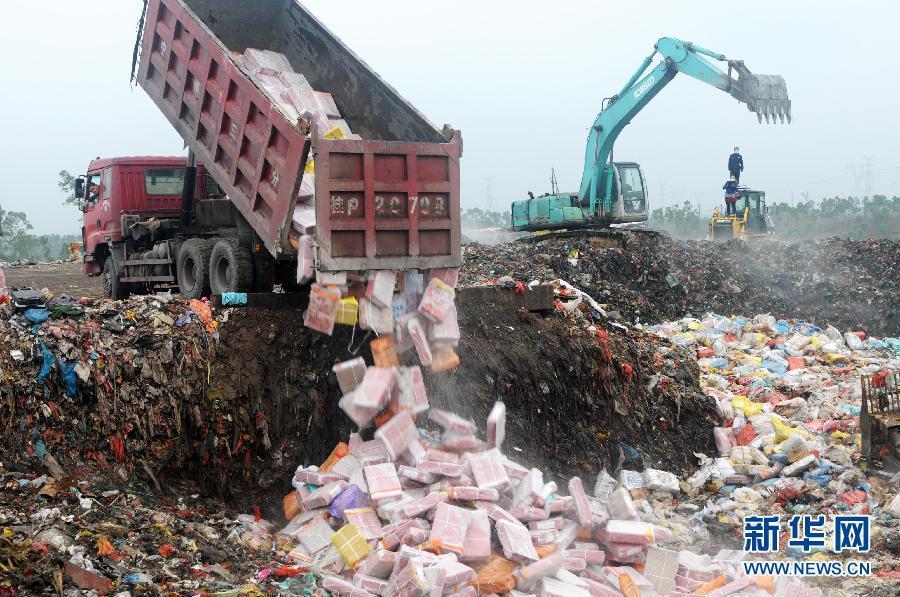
376,388
382,481
447,275
256,61
316,535
350,373
370,584
416,536
634,532
323,103
544,495
621,506
420,340
314,477
393,533
397,434
372,317
447,331
477,546
452,422
543,537
516,541
600,589
574,564
366,522
304,218
488,469
725,440
442,485
441,455
496,425
448,531
414,474
337,585
324,495
361,416
411,394
496,512
372,452
305,260
322,311
461,442
549,524
582,507
456,573
561,504
380,289
626,553
472,494
514,470
423,505
531,573
447,469
590,556
598,512
529,513
463,480
436,301
528,487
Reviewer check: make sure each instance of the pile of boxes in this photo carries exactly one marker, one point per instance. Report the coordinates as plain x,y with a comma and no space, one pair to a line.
438,510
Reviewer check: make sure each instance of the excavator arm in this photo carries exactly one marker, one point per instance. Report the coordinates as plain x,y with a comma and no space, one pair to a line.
766,95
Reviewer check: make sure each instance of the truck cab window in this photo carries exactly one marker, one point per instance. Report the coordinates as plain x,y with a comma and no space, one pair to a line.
93,188
107,183
164,181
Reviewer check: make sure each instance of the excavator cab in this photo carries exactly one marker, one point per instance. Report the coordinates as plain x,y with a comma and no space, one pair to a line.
629,202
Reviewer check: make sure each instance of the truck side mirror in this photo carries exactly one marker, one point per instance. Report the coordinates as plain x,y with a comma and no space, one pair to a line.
79,188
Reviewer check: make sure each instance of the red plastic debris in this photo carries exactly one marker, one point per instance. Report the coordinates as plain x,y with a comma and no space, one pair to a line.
857,496
746,436
166,550
117,446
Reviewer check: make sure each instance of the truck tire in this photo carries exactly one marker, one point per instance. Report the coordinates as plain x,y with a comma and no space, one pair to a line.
263,272
230,267
112,287
193,268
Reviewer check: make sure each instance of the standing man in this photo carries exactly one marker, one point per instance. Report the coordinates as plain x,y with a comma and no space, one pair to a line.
736,164
731,194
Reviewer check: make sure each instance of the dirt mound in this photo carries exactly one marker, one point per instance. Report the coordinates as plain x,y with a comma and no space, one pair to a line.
849,284
239,410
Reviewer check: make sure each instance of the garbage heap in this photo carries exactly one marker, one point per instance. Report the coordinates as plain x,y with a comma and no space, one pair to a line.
788,395
651,278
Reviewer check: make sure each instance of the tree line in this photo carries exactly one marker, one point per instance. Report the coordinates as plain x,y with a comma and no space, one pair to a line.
847,217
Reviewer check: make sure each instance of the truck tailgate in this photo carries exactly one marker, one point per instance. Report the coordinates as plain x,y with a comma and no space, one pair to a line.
387,204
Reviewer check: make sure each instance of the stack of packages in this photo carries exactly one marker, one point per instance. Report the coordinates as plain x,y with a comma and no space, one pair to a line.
296,98
413,512
400,308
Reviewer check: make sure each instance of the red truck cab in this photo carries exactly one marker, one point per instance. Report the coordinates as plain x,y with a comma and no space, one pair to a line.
120,192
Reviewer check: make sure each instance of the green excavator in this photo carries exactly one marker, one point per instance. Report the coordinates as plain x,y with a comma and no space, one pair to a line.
616,192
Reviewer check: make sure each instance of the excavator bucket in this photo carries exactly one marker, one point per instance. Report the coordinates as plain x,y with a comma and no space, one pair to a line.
764,94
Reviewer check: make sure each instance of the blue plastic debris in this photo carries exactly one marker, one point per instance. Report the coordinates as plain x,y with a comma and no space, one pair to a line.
47,366
37,315
234,298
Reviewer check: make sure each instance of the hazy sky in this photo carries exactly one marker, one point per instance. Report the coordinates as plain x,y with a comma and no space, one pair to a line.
522,80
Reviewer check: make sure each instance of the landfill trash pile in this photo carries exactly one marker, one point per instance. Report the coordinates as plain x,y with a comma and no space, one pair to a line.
788,395
849,284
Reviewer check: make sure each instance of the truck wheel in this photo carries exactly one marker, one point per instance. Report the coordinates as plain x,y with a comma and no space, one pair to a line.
230,267
263,272
193,268
112,287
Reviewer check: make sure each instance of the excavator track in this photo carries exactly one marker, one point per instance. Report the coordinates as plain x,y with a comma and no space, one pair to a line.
605,237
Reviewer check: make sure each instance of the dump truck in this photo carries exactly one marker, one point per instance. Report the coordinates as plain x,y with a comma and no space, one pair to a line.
220,219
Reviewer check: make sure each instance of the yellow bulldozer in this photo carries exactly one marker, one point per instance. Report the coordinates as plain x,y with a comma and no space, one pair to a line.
751,221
